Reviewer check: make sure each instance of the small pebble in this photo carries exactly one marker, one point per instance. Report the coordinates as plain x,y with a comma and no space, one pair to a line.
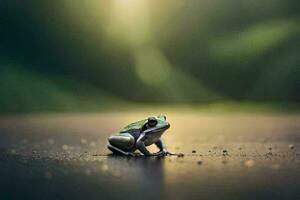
269,154
180,155
291,146
270,148
194,151
199,162
225,152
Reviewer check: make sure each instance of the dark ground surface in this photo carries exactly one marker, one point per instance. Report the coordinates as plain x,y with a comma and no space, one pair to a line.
238,156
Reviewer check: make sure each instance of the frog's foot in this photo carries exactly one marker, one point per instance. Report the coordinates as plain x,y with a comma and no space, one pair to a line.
159,154
116,150
164,153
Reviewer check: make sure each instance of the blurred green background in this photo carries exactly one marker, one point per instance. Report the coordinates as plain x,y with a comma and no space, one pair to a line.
71,55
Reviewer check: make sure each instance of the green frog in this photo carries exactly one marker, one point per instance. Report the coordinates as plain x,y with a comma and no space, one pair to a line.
138,135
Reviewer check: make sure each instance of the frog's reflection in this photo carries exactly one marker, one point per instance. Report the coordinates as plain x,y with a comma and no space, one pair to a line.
145,173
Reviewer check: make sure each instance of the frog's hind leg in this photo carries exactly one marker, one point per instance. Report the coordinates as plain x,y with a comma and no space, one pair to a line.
121,144
116,150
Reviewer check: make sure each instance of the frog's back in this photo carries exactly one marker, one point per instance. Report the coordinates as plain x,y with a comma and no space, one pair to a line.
134,129
134,125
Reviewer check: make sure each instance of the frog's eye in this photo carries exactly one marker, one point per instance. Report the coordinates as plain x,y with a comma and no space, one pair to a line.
152,121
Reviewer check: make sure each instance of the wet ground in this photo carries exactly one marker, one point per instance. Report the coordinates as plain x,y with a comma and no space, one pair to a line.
226,156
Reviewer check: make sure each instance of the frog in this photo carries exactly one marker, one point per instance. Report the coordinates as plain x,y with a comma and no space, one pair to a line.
138,135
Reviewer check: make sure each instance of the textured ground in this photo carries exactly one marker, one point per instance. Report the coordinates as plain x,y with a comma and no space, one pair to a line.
227,156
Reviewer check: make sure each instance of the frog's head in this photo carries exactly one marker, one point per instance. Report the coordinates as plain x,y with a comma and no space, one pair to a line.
156,125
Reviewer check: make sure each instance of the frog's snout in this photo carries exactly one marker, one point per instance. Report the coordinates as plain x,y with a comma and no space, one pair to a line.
168,125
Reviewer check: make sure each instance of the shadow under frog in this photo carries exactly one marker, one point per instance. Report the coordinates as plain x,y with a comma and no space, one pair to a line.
139,177
139,135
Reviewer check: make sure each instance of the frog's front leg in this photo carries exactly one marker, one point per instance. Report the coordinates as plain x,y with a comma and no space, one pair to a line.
121,144
162,147
142,147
